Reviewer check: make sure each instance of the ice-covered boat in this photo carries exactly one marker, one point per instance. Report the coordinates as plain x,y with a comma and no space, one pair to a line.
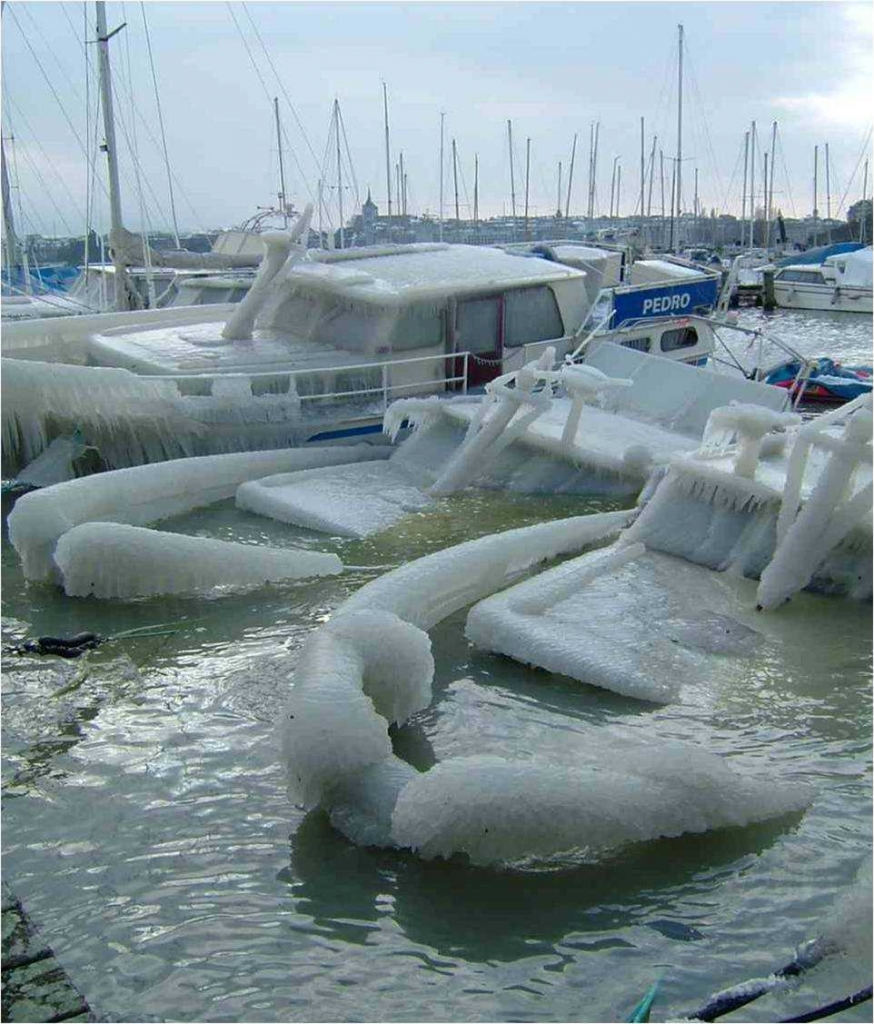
315,352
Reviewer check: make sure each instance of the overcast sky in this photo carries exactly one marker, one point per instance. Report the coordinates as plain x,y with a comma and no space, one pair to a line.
551,69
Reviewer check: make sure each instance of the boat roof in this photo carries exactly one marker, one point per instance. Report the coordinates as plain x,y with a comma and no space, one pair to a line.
402,274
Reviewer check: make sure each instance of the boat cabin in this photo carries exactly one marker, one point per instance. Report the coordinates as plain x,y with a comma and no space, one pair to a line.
439,315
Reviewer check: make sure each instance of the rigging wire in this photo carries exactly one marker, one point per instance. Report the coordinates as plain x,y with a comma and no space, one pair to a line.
708,142
161,123
48,82
862,153
303,175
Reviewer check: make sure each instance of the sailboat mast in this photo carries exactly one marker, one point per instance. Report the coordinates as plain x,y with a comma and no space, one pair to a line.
455,178
752,183
476,190
863,219
558,193
387,149
815,191
402,195
442,119
743,197
655,139
339,173
679,131
642,168
618,187
121,299
828,196
771,182
282,203
527,178
570,178
11,242
512,178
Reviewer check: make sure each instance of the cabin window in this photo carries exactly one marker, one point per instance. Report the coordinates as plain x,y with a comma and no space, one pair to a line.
236,295
801,276
417,327
531,314
682,337
638,344
477,325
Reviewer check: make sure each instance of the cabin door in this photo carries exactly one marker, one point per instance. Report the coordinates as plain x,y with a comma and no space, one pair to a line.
479,331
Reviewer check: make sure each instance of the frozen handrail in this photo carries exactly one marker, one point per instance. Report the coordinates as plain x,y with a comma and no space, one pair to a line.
583,384
805,537
749,424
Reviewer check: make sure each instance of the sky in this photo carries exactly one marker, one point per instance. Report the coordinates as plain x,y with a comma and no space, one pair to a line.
550,69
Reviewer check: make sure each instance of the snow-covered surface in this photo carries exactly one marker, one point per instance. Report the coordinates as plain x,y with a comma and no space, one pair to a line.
353,500
371,665
146,494
638,623
111,560
653,271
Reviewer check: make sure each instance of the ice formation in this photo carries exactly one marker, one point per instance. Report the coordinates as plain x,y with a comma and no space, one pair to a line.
146,494
282,247
522,811
600,426
134,419
371,665
428,589
635,622
110,560
354,500
704,510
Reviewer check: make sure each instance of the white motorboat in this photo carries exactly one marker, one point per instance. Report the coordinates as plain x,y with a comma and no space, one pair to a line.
841,282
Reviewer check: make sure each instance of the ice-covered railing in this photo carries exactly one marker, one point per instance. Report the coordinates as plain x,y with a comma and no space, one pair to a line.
371,665
147,494
791,520
512,403
744,427
836,506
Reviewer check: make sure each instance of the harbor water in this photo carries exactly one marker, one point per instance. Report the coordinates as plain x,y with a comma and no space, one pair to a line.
147,830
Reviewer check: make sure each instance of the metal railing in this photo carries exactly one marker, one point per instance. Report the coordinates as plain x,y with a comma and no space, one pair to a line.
385,387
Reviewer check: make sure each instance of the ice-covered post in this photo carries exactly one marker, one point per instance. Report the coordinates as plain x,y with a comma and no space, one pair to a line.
279,245
584,383
492,435
828,516
749,423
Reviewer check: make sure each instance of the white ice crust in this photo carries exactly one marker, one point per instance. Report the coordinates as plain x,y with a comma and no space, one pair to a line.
371,665
354,500
146,494
111,560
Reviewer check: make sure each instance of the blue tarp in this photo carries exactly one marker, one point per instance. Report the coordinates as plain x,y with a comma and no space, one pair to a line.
817,255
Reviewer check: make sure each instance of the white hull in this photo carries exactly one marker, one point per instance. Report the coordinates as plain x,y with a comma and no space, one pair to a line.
822,296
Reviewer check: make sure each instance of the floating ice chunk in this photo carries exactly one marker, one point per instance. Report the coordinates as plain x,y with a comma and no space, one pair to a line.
357,674
519,813
427,590
634,622
354,500
146,494
110,560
